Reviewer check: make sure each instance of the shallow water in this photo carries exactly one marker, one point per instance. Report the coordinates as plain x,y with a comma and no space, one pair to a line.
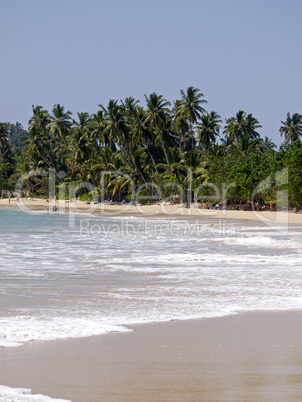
78,275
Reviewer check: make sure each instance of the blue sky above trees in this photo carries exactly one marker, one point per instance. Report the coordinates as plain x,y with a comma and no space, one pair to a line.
241,54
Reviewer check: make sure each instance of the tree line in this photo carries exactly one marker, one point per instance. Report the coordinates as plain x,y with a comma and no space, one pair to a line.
159,143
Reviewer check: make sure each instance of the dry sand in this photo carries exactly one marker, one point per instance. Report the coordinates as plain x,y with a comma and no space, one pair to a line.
158,210
246,357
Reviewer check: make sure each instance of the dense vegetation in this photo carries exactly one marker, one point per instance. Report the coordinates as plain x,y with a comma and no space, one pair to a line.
172,146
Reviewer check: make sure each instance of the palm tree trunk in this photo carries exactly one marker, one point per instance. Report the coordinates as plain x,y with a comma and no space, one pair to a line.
180,143
164,149
151,156
192,138
134,164
51,165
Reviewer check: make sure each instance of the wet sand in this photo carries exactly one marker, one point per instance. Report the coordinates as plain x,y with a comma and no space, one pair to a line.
245,357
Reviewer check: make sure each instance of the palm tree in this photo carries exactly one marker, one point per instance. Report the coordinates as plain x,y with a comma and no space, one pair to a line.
107,159
130,105
115,124
128,174
241,128
77,152
235,127
196,172
180,127
79,145
156,117
98,162
292,127
97,127
40,120
137,126
39,143
208,130
252,124
175,169
60,123
118,129
267,144
107,165
84,120
140,133
139,172
37,149
5,156
190,107
3,139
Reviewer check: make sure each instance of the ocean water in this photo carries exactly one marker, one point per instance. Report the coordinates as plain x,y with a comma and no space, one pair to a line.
79,275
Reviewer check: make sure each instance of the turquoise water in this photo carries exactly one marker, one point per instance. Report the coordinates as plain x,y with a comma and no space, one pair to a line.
79,275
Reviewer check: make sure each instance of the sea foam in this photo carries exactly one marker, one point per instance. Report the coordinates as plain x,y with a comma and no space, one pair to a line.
21,329
57,283
8,394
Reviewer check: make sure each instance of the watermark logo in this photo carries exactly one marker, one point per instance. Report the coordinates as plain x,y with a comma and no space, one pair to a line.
153,229
153,199
277,207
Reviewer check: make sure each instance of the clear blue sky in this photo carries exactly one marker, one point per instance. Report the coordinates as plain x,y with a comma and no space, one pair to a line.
241,54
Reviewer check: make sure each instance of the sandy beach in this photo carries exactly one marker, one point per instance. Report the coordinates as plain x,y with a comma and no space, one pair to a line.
252,356
151,201
158,210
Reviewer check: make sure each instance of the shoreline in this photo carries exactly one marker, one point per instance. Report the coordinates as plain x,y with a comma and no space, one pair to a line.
253,355
247,356
155,211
